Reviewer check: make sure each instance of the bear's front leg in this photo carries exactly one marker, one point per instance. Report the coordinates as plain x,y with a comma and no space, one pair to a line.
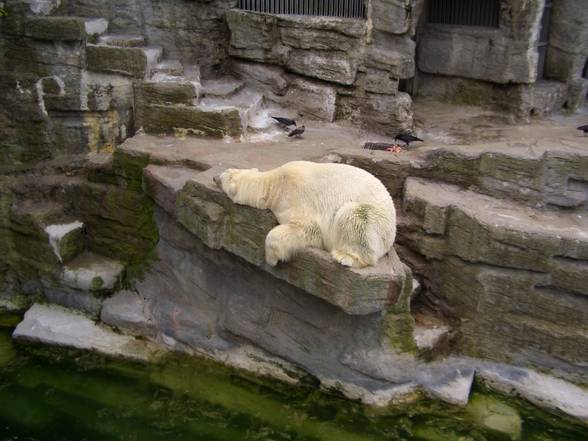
284,241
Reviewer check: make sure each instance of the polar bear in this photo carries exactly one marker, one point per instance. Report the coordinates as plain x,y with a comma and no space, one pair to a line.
337,207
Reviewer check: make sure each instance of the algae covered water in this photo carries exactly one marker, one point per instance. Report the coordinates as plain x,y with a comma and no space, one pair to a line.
72,396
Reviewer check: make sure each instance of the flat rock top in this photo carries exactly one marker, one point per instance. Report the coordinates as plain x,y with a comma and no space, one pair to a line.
221,87
324,141
497,212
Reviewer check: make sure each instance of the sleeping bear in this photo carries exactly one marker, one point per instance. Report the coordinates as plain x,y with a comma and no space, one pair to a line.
337,207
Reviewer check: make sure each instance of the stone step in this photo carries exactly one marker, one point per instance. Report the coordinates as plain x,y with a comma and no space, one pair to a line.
173,68
136,62
58,326
184,120
481,229
178,91
221,88
66,28
247,102
210,215
66,239
431,339
122,40
542,177
30,220
92,272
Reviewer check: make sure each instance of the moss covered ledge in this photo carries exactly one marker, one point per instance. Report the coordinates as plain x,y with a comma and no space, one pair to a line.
192,198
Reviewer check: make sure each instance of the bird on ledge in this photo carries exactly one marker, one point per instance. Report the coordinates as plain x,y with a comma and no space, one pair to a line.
406,138
297,132
284,122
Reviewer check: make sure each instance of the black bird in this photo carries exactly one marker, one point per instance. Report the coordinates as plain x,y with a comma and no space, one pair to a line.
584,129
298,131
406,138
285,122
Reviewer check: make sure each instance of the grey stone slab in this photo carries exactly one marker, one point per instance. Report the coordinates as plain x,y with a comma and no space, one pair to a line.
165,92
542,390
129,61
261,74
57,326
83,301
129,312
334,67
192,120
91,272
313,99
164,183
56,28
122,40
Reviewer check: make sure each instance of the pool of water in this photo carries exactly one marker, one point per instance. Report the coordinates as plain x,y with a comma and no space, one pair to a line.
61,395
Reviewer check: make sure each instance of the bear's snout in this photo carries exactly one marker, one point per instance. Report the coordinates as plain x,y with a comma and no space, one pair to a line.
217,181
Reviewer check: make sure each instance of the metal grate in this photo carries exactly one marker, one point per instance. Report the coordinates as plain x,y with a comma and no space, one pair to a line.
328,8
465,12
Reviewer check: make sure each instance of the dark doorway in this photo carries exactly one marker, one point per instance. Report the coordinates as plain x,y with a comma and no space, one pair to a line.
544,38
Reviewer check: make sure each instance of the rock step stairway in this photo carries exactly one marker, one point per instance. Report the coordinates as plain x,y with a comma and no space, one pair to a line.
136,62
181,104
65,28
121,40
505,269
70,275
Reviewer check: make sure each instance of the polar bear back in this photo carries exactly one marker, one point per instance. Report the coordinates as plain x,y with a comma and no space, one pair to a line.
309,189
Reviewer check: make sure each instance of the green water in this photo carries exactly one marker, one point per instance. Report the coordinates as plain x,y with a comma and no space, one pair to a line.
82,397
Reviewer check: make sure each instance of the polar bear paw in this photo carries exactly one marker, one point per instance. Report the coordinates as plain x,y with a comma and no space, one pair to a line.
346,259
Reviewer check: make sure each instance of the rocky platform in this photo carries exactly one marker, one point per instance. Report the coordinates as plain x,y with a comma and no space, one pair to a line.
210,291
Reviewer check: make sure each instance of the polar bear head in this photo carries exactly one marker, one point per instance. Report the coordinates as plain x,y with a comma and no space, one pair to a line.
235,182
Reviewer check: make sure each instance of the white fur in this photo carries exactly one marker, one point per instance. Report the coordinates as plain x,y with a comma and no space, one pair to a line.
336,207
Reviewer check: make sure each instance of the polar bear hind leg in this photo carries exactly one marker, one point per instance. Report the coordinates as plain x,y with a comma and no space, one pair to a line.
285,240
358,238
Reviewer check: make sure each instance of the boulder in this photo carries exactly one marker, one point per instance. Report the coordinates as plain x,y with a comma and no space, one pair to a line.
313,99
262,75
335,67
400,64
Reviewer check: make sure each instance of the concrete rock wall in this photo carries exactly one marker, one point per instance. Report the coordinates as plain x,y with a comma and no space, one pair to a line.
331,68
503,55
459,62
192,31
568,41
